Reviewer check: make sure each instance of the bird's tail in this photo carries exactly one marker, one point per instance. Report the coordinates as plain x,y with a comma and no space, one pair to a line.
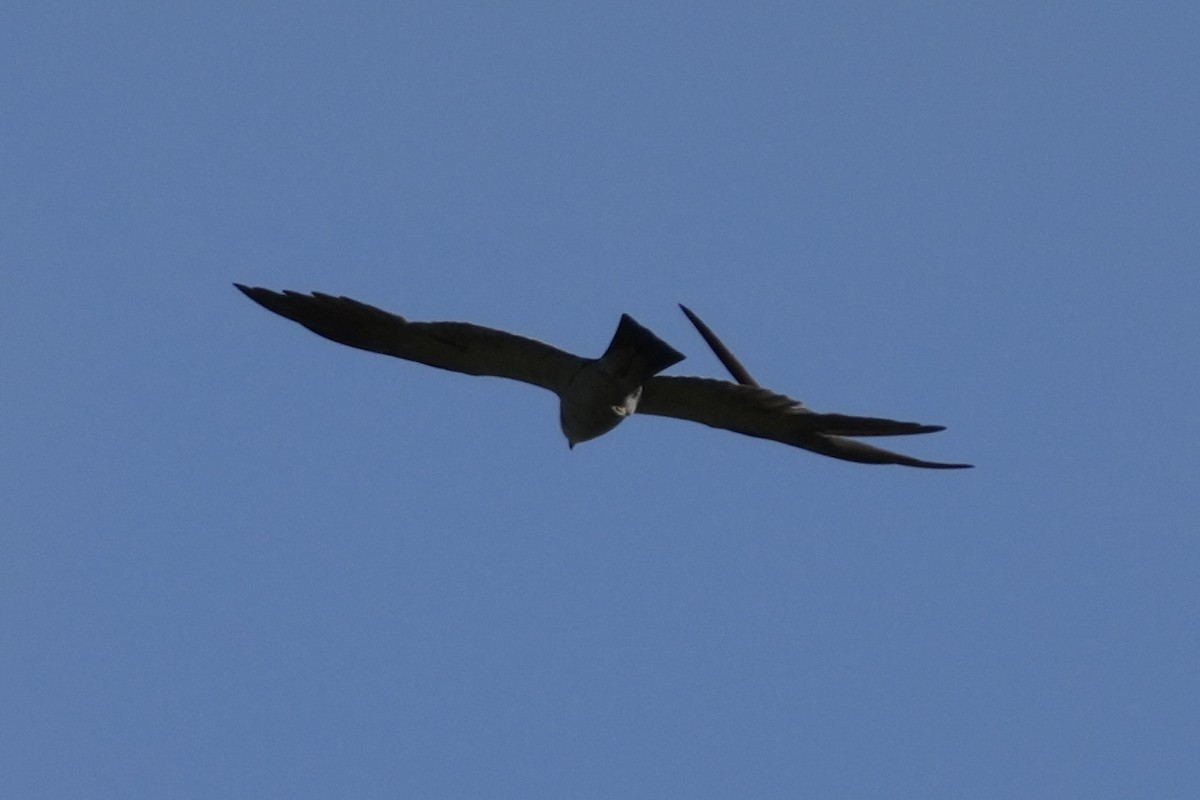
637,349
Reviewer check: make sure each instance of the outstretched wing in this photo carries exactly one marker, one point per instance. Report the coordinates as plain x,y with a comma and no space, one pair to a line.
754,411
454,346
823,443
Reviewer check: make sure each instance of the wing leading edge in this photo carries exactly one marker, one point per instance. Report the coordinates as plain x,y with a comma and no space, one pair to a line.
455,346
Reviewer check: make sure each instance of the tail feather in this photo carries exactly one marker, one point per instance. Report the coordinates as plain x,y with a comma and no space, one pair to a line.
640,346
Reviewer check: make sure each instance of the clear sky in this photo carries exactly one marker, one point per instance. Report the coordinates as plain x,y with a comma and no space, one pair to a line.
240,561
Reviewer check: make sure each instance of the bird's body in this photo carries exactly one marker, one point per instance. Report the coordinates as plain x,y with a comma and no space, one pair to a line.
605,391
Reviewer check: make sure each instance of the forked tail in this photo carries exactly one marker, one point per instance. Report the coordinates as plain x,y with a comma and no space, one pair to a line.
638,346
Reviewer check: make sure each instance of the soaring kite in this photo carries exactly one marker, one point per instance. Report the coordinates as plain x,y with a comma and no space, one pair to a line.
595,395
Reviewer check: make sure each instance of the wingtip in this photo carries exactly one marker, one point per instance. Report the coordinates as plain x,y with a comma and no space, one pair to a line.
258,294
909,461
279,302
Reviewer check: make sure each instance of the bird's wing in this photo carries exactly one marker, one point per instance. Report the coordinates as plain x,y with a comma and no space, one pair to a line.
825,444
756,411
454,346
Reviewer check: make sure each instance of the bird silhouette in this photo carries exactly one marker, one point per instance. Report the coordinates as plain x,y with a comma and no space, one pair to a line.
595,394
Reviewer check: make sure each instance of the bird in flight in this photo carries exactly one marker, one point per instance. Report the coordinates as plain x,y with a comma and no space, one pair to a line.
595,395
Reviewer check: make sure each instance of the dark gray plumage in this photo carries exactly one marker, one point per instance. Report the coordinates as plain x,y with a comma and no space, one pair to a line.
595,395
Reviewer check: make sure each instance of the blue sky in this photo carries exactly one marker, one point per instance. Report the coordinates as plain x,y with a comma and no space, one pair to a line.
237,560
